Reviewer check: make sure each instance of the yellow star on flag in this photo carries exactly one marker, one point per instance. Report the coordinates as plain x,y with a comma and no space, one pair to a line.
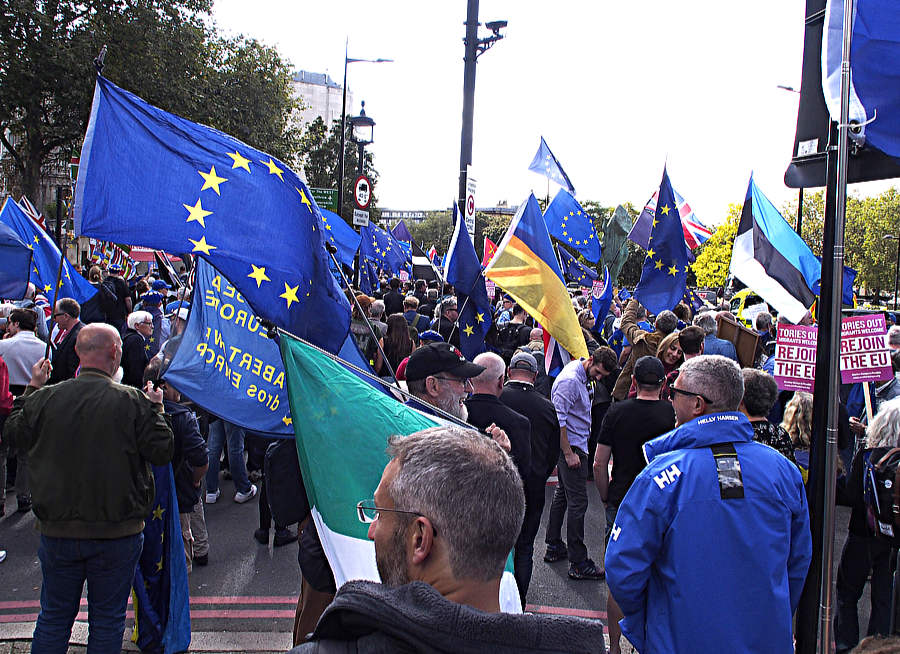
36,239
211,180
158,512
239,161
287,421
479,317
47,288
202,245
197,212
469,330
273,169
655,223
673,270
650,253
659,265
290,294
665,210
159,565
258,275
304,199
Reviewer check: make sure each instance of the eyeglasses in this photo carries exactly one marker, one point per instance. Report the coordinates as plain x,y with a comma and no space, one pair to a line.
58,314
367,512
464,382
681,391
146,322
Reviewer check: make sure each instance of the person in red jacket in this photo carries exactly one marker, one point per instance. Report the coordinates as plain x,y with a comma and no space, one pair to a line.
6,402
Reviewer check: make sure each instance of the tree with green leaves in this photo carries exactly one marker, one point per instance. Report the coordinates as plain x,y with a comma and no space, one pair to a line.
164,51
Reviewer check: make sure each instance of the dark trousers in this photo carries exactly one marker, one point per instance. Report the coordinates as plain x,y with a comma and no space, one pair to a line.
523,556
862,554
108,567
570,502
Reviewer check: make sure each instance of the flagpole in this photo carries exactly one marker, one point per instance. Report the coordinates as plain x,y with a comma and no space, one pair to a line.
332,250
62,256
817,593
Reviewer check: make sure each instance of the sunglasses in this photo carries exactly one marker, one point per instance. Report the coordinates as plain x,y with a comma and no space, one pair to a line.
681,391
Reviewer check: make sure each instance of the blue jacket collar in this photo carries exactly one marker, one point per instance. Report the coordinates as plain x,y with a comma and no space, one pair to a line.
702,431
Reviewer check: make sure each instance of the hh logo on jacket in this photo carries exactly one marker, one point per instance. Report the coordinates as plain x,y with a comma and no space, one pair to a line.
667,477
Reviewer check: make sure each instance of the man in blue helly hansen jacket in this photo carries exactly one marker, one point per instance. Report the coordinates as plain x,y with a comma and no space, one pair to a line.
711,545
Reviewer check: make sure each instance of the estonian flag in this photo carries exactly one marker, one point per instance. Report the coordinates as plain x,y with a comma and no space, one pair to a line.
422,266
771,258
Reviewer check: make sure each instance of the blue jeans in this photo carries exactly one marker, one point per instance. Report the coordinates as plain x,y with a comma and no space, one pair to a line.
108,566
221,432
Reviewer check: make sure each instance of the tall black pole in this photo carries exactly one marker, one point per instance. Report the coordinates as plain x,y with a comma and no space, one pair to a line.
59,214
800,214
465,147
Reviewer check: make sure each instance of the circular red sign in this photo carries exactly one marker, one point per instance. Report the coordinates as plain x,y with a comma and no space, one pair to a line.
362,192
470,206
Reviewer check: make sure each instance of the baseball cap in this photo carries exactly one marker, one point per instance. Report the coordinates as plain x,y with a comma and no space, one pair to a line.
440,357
160,284
152,298
431,336
648,370
523,361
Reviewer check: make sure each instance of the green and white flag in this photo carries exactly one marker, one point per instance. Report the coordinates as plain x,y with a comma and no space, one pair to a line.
342,424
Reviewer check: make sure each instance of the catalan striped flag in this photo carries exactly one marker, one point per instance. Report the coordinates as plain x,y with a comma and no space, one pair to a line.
525,266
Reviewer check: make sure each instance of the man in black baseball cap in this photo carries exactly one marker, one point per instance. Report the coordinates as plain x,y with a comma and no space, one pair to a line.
439,374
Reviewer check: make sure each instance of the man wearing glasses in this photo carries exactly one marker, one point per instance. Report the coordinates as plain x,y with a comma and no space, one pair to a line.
715,525
445,324
444,518
65,358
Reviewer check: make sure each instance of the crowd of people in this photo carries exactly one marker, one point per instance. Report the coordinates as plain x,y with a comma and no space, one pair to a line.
698,458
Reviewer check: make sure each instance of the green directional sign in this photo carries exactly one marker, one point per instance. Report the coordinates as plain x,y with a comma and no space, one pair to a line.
325,197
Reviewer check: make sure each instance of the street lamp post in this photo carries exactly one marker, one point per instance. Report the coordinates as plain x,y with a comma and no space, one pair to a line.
362,133
474,47
892,237
340,179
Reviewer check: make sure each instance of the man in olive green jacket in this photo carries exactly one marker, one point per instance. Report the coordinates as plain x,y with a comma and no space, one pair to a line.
90,443
643,343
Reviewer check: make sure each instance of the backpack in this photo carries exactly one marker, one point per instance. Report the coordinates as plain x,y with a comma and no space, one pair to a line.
508,339
881,493
284,483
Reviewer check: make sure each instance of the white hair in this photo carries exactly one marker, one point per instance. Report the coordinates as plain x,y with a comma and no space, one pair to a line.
137,316
885,428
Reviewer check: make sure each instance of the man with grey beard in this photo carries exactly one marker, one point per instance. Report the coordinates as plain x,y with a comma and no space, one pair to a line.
444,517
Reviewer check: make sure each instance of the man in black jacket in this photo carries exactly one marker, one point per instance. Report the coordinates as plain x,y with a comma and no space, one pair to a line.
520,395
443,518
485,408
393,299
65,358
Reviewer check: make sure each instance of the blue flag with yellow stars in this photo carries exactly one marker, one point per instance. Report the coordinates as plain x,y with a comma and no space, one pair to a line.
162,614
368,277
15,264
572,226
601,298
664,275
545,163
464,272
574,270
341,235
382,249
45,257
151,178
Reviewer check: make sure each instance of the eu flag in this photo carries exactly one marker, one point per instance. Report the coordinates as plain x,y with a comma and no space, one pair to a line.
379,247
341,235
464,272
15,264
664,275
368,277
45,257
546,164
570,224
162,615
401,233
151,178
574,270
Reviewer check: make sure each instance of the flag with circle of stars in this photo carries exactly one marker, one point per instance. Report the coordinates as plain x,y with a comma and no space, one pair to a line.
664,275
341,235
382,249
464,272
545,163
572,226
151,178
574,270
45,258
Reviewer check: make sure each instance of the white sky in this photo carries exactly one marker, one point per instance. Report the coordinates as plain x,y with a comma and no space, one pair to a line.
616,89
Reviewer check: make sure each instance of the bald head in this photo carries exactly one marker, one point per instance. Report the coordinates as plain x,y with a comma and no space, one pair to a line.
99,346
490,381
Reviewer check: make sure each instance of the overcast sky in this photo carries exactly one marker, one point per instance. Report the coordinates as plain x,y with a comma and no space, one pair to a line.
616,88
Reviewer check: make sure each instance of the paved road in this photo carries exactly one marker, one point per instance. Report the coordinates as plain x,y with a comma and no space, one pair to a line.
251,588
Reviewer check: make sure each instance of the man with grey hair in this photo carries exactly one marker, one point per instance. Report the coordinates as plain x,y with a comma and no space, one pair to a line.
642,342
445,324
894,337
712,344
376,316
717,515
444,518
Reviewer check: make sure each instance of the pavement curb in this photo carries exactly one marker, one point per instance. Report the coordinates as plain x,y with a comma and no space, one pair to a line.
201,641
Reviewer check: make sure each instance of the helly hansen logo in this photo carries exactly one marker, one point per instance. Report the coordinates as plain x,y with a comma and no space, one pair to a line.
615,531
667,477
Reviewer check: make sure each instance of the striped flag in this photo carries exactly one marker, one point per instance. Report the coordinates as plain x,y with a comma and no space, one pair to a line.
695,232
490,248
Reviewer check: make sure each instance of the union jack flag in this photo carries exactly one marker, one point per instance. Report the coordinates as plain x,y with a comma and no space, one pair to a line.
695,232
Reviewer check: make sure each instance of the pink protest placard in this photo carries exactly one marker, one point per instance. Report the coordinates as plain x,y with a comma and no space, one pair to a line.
489,286
585,291
865,355
795,358
404,276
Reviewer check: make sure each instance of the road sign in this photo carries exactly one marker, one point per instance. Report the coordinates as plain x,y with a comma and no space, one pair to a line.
362,192
360,218
470,204
326,198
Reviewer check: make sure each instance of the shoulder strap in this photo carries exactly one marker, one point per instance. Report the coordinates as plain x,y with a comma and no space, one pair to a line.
728,467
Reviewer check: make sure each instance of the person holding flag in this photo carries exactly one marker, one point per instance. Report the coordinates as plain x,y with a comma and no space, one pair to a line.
474,308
